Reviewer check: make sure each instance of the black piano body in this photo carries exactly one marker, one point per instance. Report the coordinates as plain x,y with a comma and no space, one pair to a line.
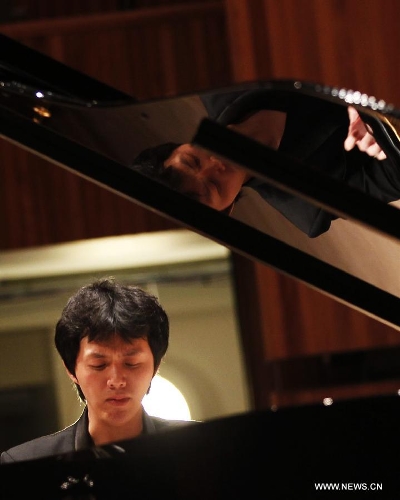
313,451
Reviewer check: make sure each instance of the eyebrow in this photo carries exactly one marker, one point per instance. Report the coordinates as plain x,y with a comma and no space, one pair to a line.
98,355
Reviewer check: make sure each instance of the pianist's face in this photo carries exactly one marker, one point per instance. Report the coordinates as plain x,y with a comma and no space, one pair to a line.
206,178
114,376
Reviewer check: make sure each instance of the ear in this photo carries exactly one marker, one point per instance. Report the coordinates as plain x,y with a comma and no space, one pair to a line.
72,377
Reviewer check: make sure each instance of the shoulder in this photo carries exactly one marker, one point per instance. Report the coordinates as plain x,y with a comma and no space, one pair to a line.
156,424
52,444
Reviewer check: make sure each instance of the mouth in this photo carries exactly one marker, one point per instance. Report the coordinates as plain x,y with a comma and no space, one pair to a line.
118,401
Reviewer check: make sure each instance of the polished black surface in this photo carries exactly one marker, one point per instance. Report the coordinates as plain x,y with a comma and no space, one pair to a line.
97,132
348,447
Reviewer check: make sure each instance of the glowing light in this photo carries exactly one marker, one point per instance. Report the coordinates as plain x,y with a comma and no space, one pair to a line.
165,400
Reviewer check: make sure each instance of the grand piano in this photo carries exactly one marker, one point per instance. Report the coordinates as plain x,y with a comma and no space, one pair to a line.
86,127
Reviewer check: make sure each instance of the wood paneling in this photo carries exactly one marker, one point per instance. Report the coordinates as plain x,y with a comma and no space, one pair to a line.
147,53
23,10
338,42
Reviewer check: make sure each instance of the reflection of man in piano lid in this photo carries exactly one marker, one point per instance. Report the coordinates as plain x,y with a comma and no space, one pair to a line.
111,338
325,136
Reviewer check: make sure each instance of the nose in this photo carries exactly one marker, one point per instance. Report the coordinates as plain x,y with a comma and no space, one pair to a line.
116,379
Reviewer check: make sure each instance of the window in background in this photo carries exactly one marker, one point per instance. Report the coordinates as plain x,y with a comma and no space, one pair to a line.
165,400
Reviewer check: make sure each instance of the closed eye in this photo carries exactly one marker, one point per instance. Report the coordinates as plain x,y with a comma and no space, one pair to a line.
103,366
191,161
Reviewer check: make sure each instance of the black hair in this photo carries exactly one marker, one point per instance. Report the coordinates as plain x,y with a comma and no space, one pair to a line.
150,162
106,308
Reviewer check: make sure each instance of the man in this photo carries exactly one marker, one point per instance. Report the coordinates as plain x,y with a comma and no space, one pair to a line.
322,134
111,338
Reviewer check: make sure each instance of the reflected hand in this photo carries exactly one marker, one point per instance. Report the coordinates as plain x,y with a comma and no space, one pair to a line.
360,135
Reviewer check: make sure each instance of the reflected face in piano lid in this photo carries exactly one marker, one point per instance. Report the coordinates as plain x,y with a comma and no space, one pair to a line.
205,177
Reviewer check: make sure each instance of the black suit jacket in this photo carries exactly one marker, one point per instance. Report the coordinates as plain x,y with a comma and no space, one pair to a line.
76,437
314,133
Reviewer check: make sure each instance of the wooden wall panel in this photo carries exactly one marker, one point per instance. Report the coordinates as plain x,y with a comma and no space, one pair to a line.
23,10
338,42
295,339
312,322
141,51
147,53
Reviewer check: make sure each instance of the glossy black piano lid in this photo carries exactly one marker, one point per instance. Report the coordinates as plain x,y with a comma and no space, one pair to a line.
76,99
315,451
21,63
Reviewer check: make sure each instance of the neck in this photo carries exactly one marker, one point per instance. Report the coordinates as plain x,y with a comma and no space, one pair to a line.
109,430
